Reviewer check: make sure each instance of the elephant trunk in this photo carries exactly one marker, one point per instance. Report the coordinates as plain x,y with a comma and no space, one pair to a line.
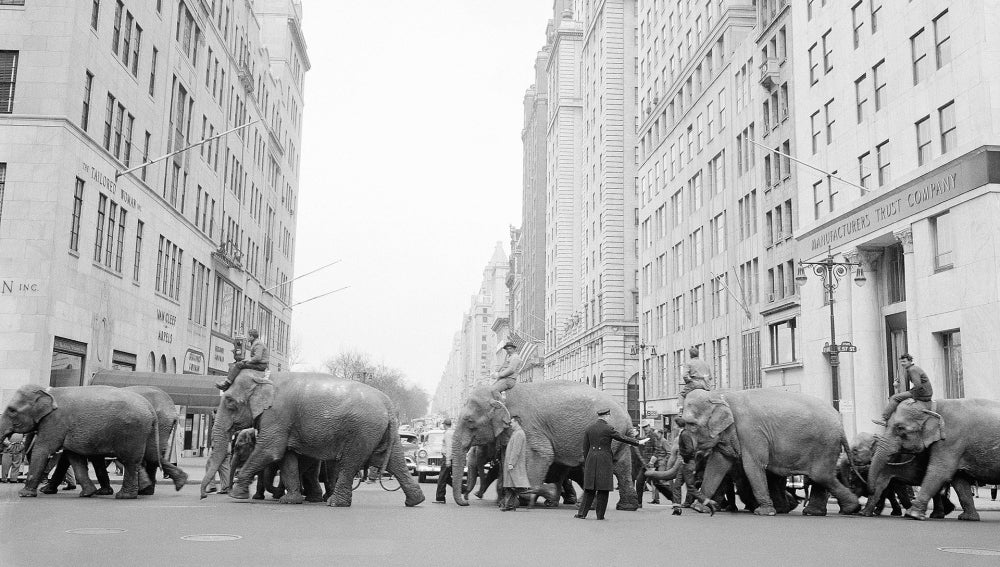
475,464
878,473
460,444
220,450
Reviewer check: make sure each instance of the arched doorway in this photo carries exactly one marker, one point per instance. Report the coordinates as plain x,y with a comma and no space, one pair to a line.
632,398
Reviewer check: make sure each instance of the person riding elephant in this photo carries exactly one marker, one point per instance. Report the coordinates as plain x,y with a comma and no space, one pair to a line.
506,376
342,422
86,421
769,430
554,415
958,438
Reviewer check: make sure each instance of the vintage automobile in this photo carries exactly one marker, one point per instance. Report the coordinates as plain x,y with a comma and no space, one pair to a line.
409,441
429,456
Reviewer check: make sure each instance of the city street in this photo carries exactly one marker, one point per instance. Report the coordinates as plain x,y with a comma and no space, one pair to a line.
379,530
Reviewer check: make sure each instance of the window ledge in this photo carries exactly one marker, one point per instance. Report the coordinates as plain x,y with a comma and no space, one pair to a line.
782,366
104,268
944,268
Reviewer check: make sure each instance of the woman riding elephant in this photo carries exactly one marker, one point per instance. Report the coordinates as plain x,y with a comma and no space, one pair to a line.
958,438
554,415
85,421
769,430
343,422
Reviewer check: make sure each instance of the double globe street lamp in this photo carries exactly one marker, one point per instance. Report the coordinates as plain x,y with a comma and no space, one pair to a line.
830,272
640,349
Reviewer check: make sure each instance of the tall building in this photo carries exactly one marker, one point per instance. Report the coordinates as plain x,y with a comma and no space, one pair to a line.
473,357
590,260
899,100
161,268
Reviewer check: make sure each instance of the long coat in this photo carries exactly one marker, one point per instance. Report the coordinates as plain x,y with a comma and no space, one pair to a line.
598,462
516,477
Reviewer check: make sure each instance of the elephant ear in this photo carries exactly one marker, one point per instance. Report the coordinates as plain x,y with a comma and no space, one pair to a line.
932,428
261,397
499,421
720,416
38,402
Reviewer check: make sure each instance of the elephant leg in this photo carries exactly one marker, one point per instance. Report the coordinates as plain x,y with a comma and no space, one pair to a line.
101,472
757,479
309,475
332,474
290,476
343,489
57,474
130,480
36,467
568,493
627,498
397,468
171,471
890,496
825,478
150,469
716,467
934,479
261,485
964,492
79,465
266,451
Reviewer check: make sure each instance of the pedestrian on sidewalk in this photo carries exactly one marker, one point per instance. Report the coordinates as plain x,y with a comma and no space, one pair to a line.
13,452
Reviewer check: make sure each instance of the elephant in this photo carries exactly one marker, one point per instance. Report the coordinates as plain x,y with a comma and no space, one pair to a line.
243,446
478,457
958,437
773,431
85,421
554,414
320,416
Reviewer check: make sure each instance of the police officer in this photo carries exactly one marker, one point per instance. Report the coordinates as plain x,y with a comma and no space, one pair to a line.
598,462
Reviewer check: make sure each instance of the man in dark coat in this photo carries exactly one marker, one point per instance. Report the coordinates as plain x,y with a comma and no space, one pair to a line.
598,479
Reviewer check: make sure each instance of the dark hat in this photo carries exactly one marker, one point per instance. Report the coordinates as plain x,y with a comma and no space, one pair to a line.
604,411
509,344
447,421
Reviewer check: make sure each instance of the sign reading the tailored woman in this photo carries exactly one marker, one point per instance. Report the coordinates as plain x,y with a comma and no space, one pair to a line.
108,183
964,174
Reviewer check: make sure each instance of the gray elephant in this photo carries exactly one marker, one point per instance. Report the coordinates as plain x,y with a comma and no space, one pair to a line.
554,415
85,421
243,446
784,433
959,438
343,422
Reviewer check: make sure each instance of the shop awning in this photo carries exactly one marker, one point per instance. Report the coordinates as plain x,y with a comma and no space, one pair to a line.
197,392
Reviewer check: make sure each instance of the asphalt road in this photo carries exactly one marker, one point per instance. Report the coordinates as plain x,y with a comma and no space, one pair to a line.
379,530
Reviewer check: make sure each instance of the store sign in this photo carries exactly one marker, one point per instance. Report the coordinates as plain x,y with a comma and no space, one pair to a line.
220,354
168,324
966,174
108,184
194,362
20,287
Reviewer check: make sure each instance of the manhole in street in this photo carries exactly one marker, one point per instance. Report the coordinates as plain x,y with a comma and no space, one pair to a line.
95,531
211,537
969,550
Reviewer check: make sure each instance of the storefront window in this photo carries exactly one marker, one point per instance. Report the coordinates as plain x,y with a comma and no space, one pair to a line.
69,359
783,342
954,381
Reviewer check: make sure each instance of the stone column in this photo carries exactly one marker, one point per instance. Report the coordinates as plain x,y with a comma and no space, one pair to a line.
863,380
905,237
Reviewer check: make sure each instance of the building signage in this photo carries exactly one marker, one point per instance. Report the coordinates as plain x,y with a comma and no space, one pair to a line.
194,362
965,174
20,287
167,323
109,185
220,354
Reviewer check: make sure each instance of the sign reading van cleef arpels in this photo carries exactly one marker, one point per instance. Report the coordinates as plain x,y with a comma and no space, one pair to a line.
973,170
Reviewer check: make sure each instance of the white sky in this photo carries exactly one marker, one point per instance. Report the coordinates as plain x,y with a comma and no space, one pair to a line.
411,169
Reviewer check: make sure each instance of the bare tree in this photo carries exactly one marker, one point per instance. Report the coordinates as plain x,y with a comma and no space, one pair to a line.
410,401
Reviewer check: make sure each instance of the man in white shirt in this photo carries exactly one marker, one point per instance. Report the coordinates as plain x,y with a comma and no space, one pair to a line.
444,477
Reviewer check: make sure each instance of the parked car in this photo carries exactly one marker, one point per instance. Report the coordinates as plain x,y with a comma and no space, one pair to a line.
409,441
428,455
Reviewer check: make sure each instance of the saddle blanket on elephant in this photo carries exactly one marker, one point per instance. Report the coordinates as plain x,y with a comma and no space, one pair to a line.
929,406
259,376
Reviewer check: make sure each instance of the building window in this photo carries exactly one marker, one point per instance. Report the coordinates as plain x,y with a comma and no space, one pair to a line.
813,65
135,50
828,118
109,114
720,362
188,33
860,97
923,140
942,40
138,250
865,169
942,231
882,161
857,22
827,53
116,32
918,52
69,362
3,185
782,342
751,359
152,72
698,305
678,308
8,77
85,116
127,155
145,154
949,135
74,228
815,129
121,241
876,6
102,206
95,12
954,384
896,280
878,80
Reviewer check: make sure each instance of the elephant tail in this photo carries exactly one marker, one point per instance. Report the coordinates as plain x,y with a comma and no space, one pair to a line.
847,454
383,450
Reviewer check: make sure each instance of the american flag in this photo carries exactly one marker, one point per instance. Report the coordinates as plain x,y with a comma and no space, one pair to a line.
525,349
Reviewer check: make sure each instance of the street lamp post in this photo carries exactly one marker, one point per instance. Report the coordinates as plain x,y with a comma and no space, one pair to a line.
830,273
640,349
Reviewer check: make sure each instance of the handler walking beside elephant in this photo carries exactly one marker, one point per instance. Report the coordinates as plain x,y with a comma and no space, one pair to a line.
515,470
258,360
921,389
597,477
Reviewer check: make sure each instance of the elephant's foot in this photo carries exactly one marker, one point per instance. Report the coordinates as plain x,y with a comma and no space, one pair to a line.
122,495
314,498
571,500
708,507
937,515
104,491
180,479
258,496
290,498
915,514
813,511
339,503
148,491
849,508
88,491
969,516
27,493
239,491
49,489
414,499
768,510
896,512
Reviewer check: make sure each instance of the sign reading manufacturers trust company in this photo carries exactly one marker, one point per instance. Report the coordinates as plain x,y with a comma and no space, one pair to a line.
967,173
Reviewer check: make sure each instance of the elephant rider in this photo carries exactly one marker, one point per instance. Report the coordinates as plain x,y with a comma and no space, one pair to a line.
697,374
506,375
258,360
598,463
920,391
